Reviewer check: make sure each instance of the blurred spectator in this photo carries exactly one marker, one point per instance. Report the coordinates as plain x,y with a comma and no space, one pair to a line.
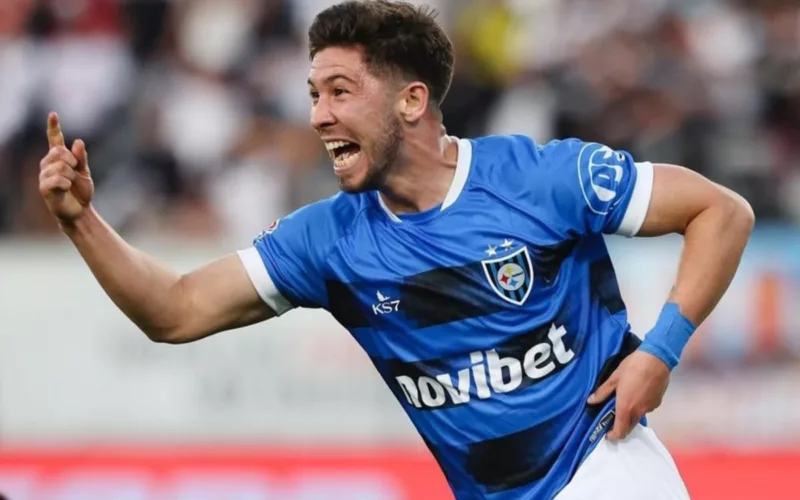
183,104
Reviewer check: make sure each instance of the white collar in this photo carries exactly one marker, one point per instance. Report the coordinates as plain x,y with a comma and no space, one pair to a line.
459,179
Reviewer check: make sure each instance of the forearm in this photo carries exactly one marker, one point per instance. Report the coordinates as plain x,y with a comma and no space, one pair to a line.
713,245
146,291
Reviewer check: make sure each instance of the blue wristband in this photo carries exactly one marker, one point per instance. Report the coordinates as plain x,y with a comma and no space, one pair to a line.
670,335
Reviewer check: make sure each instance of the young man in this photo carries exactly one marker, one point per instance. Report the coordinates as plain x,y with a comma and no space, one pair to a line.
473,272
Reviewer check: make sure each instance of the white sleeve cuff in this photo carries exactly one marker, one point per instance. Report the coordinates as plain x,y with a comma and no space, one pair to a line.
640,201
262,281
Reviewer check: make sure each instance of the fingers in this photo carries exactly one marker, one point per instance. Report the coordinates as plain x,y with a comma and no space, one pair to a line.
53,184
81,155
54,136
57,154
624,421
59,169
58,176
77,157
605,390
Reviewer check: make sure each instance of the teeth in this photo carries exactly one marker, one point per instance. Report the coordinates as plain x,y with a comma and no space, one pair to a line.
330,146
346,159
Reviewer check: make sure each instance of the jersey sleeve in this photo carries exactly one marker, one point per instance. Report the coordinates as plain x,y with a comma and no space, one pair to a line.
286,262
596,188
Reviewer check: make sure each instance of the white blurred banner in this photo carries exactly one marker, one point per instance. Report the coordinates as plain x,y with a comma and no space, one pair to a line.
74,369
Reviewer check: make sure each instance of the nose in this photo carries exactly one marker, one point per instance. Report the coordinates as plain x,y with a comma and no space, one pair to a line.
321,116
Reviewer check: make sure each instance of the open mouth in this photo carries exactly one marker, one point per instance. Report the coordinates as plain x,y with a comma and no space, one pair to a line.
343,153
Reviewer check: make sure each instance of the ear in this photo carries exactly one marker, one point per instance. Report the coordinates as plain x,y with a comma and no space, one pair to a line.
413,102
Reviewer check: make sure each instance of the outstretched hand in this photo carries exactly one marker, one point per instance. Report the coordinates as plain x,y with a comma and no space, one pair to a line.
640,382
65,182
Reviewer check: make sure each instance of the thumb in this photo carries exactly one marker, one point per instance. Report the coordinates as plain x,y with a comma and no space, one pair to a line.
80,153
604,391
623,423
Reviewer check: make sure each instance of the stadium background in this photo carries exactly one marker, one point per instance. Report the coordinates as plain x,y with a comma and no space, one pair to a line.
195,115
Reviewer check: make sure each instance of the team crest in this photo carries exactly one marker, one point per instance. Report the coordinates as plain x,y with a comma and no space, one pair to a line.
511,276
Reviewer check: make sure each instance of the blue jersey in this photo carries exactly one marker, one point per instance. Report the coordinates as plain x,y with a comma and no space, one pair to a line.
491,317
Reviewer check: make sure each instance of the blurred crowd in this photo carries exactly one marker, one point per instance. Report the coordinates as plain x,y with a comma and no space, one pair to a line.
195,112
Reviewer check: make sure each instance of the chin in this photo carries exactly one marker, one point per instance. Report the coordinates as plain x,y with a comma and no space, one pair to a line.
353,187
356,182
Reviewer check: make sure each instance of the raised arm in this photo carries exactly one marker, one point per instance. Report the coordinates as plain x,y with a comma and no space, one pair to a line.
166,306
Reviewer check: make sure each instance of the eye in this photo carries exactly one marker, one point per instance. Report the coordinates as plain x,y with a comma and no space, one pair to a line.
338,92
314,95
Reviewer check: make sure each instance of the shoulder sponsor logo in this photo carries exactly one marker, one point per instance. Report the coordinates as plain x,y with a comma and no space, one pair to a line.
601,171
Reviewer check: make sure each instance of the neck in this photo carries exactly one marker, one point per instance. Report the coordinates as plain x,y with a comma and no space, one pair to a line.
422,176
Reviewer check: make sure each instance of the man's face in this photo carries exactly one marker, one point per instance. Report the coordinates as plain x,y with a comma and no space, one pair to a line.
352,110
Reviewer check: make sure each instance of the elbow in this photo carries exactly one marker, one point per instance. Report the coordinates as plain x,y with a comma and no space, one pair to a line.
735,216
173,324
165,339
179,333
170,332
164,335
742,217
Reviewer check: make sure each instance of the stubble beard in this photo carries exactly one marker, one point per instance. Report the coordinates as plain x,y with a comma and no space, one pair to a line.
384,155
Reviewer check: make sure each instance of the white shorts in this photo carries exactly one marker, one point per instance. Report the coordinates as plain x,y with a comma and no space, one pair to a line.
637,468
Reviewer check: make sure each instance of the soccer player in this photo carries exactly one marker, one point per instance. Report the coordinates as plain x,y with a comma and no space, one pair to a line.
472,271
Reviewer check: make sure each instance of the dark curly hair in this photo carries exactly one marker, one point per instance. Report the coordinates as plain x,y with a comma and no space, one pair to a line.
396,37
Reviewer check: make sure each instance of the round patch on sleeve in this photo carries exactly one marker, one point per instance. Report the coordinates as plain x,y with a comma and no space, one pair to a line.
602,172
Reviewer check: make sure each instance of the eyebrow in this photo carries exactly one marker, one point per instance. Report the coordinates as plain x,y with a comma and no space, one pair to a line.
333,78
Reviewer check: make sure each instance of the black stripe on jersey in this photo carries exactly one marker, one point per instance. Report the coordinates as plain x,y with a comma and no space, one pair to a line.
446,295
547,260
345,306
514,460
517,459
603,284
520,292
435,297
521,458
